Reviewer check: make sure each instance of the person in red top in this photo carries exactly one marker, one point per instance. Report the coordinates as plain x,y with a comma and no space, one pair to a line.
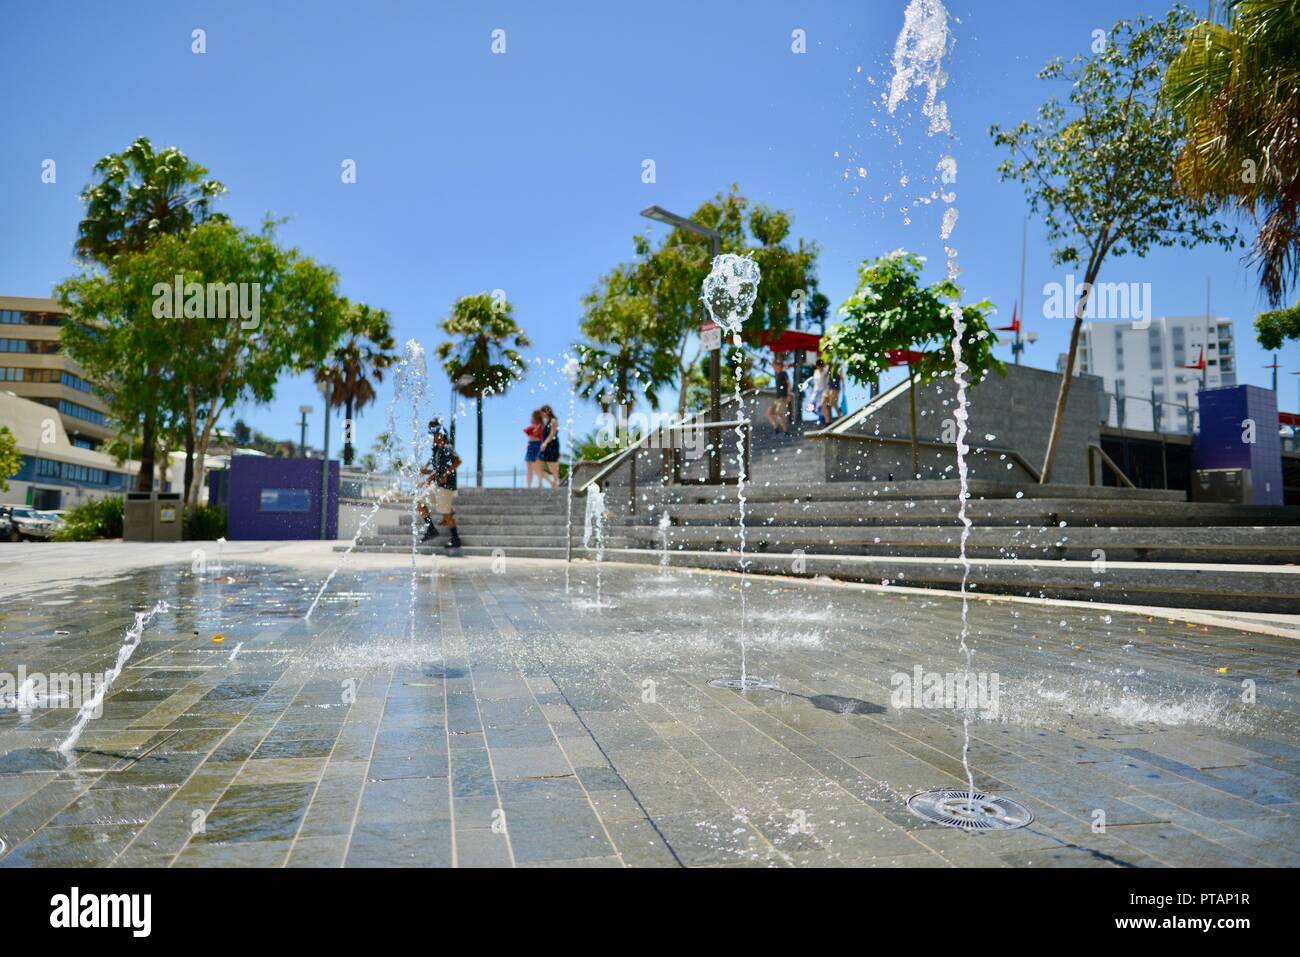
534,431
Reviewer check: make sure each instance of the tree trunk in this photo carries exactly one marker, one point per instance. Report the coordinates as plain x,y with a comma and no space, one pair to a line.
478,458
347,438
1058,419
148,439
189,462
911,399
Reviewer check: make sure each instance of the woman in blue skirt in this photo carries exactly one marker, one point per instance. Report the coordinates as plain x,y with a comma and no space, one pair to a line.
549,453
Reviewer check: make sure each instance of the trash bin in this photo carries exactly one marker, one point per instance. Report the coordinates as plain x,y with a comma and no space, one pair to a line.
138,517
167,517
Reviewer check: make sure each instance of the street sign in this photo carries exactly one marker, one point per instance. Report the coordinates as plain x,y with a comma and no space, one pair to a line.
711,336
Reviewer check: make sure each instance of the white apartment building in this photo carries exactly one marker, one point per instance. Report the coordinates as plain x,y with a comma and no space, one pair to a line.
1144,366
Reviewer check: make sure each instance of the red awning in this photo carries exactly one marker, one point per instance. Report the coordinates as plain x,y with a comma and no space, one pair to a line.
1289,418
791,341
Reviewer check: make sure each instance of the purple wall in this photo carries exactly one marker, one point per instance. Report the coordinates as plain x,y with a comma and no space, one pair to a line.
249,517
1219,445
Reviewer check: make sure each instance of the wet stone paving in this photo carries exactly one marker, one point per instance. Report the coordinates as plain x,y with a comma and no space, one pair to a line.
515,725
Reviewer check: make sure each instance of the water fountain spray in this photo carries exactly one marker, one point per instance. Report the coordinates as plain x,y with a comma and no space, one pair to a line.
130,642
593,529
918,61
571,370
665,522
729,292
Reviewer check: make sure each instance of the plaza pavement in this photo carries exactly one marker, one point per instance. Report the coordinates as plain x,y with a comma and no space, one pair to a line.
518,725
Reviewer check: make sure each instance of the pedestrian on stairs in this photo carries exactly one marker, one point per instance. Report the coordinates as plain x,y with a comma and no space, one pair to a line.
549,454
441,474
780,407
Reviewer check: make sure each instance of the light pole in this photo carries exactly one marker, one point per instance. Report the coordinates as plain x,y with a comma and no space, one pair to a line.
661,215
304,410
325,466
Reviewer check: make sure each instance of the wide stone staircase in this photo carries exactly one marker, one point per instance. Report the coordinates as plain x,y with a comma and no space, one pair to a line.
1057,541
525,523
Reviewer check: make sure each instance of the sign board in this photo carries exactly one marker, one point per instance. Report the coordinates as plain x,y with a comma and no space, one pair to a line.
167,513
711,337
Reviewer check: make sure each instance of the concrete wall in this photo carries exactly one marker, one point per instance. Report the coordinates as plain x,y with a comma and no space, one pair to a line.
1011,412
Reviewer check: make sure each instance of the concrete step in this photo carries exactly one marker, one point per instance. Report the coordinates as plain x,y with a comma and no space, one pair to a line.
1024,512
480,551
915,491
471,536
484,528
1234,544
1171,585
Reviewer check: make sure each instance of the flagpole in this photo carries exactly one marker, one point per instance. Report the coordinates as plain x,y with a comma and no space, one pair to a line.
1019,346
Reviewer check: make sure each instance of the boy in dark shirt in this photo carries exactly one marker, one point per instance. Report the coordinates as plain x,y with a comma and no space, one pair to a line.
441,473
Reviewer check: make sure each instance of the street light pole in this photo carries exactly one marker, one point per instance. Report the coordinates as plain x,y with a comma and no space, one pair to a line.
661,215
305,411
325,468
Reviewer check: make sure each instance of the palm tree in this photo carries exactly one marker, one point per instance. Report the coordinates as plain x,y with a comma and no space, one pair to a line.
141,194
1236,86
623,347
483,357
356,366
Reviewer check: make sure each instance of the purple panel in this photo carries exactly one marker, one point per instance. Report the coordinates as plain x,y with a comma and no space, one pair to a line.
251,474
1219,445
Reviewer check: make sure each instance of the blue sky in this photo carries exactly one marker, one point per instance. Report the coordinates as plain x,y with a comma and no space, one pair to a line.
522,171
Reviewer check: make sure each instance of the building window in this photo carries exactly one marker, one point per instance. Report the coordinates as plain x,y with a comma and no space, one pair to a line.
81,412
13,345
285,500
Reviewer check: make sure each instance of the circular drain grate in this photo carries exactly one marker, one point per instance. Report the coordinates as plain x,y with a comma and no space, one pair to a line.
749,683
967,811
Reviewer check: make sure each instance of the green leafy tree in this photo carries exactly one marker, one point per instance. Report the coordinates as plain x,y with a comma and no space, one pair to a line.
666,278
483,355
751,377
1234,85
215,357
357,365
891,311
139,195
624,351
11,460
1099,170
1271,328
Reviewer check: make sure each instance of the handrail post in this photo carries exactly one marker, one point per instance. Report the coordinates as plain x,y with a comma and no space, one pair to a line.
632,483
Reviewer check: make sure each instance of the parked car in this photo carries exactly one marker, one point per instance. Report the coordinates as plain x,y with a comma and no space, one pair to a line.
27,523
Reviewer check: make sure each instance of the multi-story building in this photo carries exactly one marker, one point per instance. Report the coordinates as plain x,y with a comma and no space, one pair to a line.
33,366
1149,384
55,473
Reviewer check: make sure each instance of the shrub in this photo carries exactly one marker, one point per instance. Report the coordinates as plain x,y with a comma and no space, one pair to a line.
98,518
205,523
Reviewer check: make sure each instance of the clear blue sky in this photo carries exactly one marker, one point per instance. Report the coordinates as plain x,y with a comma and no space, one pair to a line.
523,171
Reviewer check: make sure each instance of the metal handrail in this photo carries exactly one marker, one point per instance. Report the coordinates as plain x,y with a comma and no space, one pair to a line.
1012,454
622,456
1094,450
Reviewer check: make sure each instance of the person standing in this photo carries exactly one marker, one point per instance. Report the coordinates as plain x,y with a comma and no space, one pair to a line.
831,400
534,432
780,407
441,474
820,381
549,452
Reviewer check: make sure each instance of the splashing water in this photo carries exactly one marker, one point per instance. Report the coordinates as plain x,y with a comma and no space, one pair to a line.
729,292
665,521
918,61
593,529
411,379
571,369
361,530
130,642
